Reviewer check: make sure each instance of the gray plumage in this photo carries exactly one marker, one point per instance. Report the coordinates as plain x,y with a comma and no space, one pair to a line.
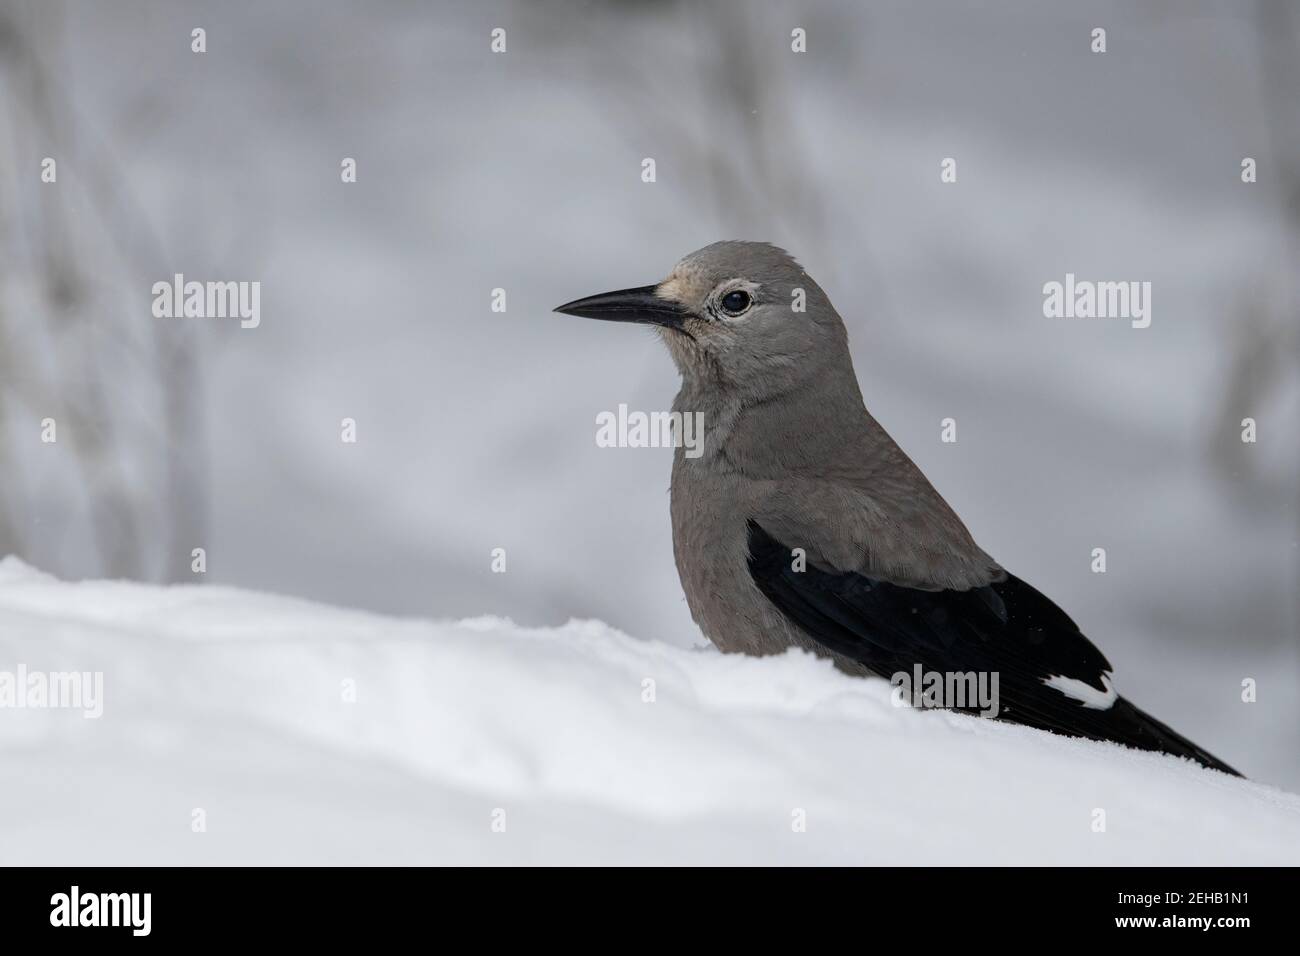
791,459
789,443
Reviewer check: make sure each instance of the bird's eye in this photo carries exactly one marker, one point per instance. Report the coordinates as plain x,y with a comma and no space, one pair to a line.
734,303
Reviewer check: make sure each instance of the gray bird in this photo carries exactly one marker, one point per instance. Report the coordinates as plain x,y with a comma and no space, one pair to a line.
803,524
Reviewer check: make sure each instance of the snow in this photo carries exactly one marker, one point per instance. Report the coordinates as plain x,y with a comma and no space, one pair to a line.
232,702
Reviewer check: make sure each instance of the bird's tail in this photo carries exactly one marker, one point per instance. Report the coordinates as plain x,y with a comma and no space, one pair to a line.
1140,729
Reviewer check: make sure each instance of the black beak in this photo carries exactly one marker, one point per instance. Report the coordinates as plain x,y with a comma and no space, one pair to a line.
629,305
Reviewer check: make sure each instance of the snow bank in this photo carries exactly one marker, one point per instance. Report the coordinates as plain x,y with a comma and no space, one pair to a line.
236,704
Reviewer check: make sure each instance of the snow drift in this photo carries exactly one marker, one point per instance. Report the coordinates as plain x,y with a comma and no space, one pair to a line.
300,733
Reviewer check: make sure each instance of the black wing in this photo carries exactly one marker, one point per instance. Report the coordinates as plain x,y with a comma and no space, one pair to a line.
1007,628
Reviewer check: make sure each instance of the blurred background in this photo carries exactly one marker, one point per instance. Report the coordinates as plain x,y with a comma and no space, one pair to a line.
522,170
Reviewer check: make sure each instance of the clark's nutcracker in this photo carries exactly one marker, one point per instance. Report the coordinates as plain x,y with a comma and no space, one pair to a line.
802,523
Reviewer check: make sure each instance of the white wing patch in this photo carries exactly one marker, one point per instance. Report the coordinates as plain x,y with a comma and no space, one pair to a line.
1085,693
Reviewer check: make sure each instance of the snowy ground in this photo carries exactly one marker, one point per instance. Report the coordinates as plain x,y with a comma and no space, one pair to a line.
233,702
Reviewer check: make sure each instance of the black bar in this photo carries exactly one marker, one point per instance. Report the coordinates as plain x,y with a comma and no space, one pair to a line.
336,906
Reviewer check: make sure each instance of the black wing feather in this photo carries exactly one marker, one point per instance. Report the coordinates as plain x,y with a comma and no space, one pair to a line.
1006,627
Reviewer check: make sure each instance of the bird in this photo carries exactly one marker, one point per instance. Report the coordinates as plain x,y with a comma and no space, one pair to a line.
800,523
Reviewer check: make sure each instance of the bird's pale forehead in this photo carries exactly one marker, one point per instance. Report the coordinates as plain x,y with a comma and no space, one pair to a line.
688,282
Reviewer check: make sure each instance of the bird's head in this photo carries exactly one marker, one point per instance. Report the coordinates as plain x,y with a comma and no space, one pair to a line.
739,315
